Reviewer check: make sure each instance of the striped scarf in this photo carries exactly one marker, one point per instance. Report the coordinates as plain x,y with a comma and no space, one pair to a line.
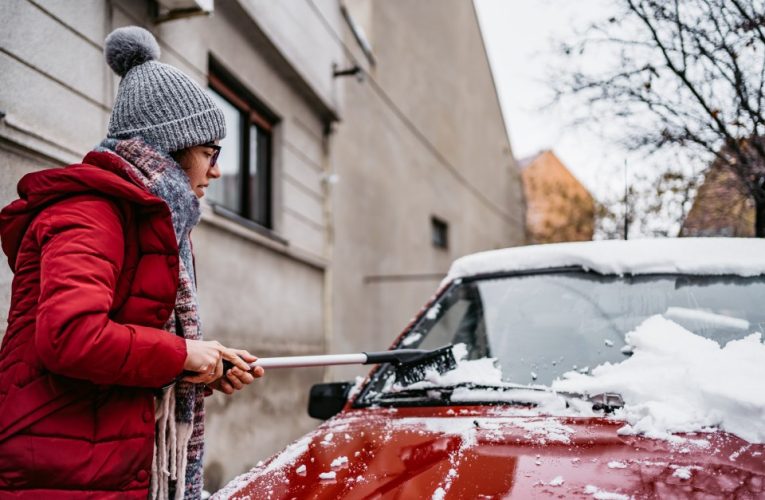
179,433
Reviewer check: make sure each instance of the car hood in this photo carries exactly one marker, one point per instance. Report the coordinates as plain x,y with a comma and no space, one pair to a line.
480,452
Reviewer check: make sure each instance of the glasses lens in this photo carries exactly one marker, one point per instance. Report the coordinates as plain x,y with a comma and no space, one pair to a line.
214,158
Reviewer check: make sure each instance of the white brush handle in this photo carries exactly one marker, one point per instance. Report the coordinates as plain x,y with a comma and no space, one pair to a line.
318,360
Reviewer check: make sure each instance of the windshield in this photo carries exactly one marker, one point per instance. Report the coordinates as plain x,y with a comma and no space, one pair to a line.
539,326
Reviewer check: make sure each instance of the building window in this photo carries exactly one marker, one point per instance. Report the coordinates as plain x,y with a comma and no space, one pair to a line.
439,232
244,188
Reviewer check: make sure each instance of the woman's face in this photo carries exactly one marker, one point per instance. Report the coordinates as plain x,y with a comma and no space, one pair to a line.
200,165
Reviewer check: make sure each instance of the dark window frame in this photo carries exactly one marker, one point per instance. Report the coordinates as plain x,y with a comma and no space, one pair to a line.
255,116
439,233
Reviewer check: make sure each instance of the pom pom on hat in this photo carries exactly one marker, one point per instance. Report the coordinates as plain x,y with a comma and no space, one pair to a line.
128,47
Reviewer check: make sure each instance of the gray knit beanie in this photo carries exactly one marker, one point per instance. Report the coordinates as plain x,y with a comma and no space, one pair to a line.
155,101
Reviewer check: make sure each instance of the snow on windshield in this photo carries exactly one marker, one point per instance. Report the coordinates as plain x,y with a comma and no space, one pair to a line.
476,371
483,372
739,256
677,381
674,382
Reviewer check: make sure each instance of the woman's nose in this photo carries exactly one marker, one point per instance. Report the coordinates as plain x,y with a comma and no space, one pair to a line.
214,171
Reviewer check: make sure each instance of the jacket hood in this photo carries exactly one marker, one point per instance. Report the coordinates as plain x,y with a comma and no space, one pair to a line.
474,452
101,173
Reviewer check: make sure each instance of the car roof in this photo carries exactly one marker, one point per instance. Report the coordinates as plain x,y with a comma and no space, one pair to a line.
708,256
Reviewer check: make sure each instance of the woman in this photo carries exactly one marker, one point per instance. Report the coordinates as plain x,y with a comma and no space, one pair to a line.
103,368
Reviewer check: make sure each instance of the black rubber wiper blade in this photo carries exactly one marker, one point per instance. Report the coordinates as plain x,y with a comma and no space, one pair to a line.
606,402
429,394
444,392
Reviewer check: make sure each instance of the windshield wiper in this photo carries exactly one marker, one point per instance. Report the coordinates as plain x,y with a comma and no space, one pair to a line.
606,402
444,392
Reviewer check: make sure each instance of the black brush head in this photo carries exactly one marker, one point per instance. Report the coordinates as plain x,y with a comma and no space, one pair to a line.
442,360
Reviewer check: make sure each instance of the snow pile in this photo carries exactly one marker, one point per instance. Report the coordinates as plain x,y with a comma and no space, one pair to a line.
356,387
603,494
677,381
433,312
411,339
557,481
290,454
440,492
741,256
539,430
684,472
682,314
464,427
327,440
483,371
734,456
544,430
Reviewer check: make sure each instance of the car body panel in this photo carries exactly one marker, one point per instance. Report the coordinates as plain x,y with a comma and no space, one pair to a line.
500,452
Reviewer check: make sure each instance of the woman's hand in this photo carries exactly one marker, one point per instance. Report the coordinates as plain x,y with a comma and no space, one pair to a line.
205,358
241,374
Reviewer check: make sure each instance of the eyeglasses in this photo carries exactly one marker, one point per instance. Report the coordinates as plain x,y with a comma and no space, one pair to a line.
216,153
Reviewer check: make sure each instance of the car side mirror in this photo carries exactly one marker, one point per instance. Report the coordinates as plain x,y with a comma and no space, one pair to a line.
326,400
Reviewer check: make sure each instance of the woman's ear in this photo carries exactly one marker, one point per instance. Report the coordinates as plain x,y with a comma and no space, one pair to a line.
179,156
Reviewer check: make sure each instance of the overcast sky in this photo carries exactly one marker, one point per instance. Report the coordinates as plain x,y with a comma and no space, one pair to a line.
519,36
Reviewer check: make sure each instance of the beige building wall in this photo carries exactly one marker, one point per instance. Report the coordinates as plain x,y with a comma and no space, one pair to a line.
422,137
359,170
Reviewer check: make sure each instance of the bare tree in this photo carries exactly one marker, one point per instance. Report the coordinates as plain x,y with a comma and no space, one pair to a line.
651,205
686,74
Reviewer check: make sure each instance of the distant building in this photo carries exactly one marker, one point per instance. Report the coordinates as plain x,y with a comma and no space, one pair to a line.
558,207
721,207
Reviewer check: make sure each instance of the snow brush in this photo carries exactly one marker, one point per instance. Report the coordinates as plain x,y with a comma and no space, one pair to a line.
411,365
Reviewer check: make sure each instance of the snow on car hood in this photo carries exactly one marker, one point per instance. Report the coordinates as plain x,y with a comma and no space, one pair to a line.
740,256
493,452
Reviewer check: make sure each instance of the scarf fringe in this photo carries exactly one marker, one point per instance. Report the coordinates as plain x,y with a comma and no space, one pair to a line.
170,457
184,435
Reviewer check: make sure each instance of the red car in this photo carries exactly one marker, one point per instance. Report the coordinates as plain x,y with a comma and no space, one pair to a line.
584,370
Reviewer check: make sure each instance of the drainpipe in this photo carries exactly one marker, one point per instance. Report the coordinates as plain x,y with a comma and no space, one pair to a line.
329,178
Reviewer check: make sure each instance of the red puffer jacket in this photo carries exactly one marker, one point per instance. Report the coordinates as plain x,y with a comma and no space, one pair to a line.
95,265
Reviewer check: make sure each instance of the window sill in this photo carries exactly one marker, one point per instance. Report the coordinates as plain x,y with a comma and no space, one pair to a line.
249,224
223,219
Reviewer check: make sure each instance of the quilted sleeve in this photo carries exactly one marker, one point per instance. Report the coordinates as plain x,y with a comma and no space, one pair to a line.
82,250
